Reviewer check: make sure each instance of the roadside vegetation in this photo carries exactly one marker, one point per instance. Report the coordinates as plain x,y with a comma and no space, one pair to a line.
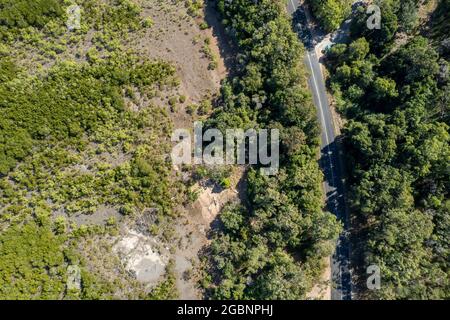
273,246
395,98
330,13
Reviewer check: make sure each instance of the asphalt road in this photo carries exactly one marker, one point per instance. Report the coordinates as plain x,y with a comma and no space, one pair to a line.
331,166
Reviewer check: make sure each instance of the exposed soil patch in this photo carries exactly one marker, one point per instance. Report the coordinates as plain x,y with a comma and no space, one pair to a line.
140,257
322,290
202,59
100,217
177,38
198,219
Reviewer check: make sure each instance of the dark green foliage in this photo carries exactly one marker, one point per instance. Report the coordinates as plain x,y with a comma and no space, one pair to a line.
396,16
330,13
272,248
380,40
440,24
414,64
397,140
166,289
24,13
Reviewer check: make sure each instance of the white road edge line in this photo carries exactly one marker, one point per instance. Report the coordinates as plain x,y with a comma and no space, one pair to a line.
320,100
293,6
324,128
326,138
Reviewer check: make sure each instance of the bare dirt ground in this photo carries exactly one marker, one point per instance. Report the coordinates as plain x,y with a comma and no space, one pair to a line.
426,9
142,256
177,38
322,290
198,219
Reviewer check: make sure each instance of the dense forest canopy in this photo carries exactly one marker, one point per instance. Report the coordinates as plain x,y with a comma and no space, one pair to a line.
330,13
272,247
397,145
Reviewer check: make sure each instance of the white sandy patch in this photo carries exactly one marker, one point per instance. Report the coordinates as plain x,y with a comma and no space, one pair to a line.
137,254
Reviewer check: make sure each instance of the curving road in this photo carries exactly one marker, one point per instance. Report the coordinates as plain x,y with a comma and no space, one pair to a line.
330,157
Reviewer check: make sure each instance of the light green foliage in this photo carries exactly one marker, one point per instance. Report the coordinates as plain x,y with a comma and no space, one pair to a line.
358,49
384,88
88,109
32,264
148,23
70,143
166,289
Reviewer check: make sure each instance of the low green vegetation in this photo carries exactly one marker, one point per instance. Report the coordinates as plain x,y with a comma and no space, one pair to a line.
206,50
35,257
194,7
84,117
272,247
24,13
73,143
166,289
32,263
397,144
